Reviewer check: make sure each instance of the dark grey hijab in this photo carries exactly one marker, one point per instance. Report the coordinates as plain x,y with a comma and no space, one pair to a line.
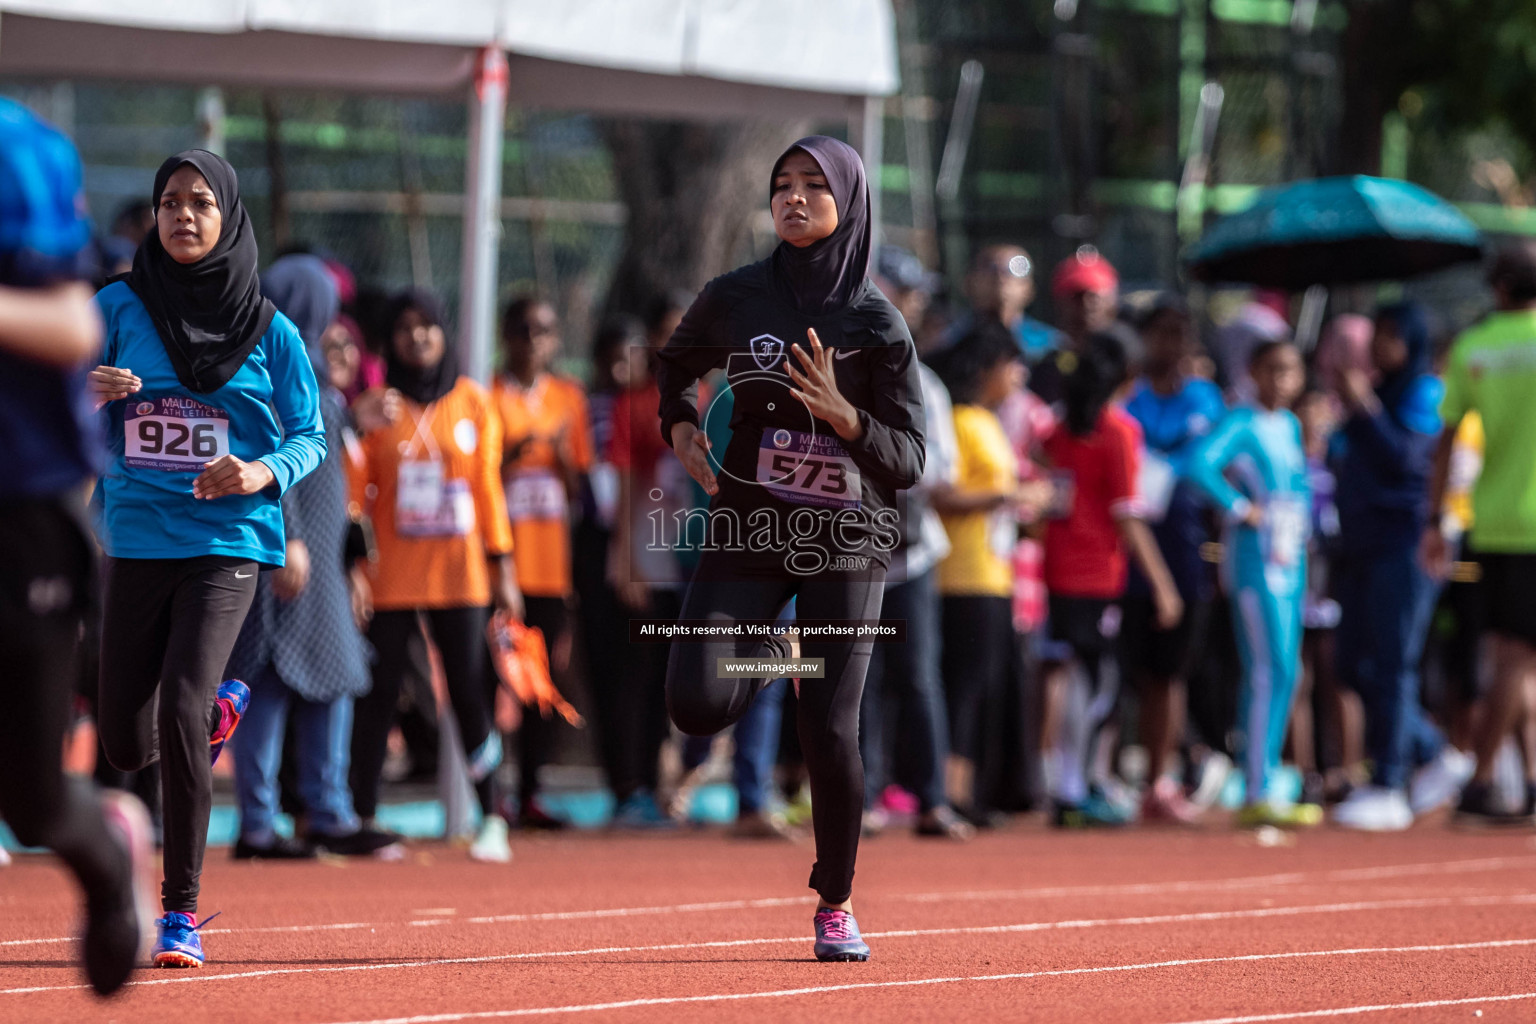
824,276
304,291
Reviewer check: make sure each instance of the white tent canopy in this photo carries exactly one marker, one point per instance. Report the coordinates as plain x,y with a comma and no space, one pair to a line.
788,59
640,56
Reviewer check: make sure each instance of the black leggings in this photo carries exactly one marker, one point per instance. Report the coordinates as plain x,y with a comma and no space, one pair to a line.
459,634
168,625
625,682
701,703
45,570
978,660
537,735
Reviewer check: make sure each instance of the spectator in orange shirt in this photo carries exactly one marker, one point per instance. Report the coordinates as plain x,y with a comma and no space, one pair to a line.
431,483
546,449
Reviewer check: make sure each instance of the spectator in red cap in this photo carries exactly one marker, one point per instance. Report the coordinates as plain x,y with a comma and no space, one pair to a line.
1087,292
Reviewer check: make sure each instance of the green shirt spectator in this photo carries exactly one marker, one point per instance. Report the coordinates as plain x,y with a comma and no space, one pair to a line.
1492,371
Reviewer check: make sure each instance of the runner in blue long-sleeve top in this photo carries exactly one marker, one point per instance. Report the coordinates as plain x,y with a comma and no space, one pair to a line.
212,412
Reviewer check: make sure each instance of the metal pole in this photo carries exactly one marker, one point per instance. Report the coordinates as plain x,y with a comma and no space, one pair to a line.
867,127
1310,323
411,189
210,119
1193,198
962,120
482,221
61,107
277,175
957,141
915,115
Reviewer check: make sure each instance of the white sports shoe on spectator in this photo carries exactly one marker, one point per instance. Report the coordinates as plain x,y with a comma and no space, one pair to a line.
1437,783
1214,773
490,845
1374,809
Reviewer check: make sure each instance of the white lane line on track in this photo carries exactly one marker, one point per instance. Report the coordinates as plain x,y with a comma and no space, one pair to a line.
1248,882
979,895
721,997
671,908
339,927
1342,1011
906,933
1124,889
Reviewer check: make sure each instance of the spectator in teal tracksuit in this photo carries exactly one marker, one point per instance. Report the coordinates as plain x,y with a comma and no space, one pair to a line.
1255,469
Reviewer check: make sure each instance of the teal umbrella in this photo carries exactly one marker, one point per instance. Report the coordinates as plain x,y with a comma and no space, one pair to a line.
1335,231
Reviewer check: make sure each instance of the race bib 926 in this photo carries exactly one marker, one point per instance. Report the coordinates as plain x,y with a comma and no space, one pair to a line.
174,434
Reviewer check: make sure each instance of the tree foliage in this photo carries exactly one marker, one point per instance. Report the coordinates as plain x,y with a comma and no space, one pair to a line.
1470,63
691,189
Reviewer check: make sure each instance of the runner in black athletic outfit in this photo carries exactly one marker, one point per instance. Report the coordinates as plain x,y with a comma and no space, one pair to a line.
48,450
826,430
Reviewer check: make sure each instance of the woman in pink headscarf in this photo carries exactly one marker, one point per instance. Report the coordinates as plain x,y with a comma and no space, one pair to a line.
1344,346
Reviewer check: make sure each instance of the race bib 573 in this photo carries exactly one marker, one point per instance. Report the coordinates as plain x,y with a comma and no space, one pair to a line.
808,469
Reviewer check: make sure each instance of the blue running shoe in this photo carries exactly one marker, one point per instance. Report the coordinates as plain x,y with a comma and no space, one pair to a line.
234,697
485,758
1097,811
1103,809
641,812
178,944
837,937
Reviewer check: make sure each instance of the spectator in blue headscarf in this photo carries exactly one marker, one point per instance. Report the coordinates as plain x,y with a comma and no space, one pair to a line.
1385,598
301,651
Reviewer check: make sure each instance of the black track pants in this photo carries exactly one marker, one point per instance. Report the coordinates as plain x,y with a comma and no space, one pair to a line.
45,570
459,634
701,703
168,625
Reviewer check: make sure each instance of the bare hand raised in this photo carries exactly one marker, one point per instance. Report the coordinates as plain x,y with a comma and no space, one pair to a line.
692,447
109,383
818,388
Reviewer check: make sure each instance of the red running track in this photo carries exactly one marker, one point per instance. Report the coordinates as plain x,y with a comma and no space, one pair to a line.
1152,927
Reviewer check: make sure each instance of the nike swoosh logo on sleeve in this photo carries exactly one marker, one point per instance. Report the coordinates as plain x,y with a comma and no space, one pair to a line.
843,353
242,575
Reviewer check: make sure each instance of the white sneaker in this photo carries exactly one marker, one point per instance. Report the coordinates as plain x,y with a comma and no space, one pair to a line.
1437,783
1509,776
5,858
1374,809
1120,796
490,845
1217,769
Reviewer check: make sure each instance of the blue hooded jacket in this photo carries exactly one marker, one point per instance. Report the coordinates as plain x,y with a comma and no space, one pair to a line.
1383,479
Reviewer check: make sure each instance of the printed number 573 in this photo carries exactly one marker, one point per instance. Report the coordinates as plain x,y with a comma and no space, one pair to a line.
835,481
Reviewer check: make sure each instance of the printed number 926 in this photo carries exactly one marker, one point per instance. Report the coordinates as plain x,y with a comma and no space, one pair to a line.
156,438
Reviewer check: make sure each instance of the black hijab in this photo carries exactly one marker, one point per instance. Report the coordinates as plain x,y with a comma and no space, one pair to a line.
826,275
209,314
422,386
